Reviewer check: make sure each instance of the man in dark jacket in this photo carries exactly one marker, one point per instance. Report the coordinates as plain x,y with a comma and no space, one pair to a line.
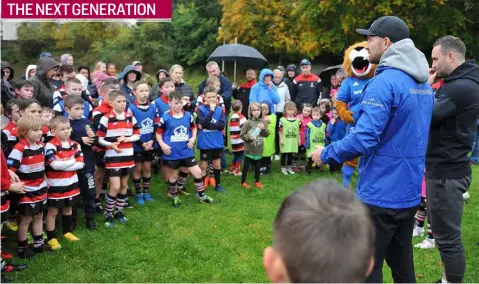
289,76
42,88
306,87
242,93
8,92
226,90
448,169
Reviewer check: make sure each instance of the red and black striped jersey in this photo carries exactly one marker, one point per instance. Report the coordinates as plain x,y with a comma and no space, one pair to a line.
237,120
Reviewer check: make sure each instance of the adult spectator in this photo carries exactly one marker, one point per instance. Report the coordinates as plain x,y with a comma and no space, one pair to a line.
448,169
176,73
30,71
475,146
8,92
7,71
340,76
130,76
282,69
145,76
306,87
242,93
42,88
85,71
391,138
155,90
291,73
265,90
66,59
226,90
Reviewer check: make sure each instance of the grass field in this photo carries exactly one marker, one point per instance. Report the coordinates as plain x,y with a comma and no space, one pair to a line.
223,242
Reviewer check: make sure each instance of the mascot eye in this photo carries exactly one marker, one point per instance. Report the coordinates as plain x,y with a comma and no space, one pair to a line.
359,48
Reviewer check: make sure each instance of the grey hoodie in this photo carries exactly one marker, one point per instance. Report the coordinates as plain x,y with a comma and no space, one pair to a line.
404,55
42,89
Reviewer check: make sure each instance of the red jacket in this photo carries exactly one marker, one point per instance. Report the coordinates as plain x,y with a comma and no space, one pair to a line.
5,184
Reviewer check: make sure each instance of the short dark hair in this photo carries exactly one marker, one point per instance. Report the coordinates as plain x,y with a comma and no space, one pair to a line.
114,94
451,43
72,100
48,109
108,84
9,106
66,68
175,95
20,83
164,80
315,109
323,233
25,103
140,82
237,105
306,105
210,89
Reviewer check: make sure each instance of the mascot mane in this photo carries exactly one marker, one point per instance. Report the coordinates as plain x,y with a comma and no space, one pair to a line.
355,62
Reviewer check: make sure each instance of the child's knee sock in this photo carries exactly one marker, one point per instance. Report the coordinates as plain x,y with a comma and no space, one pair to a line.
66,223
120,202
180,183
110,205
217,173
200,187
421,215
146,184
137,185
172,188
347,174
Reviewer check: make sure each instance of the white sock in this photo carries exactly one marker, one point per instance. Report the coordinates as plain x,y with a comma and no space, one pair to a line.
444,281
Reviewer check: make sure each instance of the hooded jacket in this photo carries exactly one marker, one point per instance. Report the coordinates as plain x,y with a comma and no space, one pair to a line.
8,92
42,88
454,121
253,137
5,64
391,134
155,90
261,92
284,96
92,89
29,68
124,86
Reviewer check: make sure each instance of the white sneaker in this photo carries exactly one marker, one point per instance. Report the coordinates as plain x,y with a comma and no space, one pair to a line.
417,231
276,157
426,244
284,171
466,196
290,171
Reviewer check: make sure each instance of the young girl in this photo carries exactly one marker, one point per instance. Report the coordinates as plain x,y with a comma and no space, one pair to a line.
27,160
418,231
269,145
289,138
99,74
305,118
252,133
315,136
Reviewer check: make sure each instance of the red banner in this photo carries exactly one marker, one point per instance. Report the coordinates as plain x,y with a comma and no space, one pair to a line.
156,10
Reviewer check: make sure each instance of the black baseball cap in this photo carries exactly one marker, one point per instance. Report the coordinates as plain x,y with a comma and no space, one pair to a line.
391,27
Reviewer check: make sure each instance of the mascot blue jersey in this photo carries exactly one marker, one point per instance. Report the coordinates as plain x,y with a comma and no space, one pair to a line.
350,92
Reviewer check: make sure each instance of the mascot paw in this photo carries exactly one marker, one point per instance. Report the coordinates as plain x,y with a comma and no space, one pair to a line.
348,117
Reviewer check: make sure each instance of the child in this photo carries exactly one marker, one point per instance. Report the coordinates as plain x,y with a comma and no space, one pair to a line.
118,130
304,118
32,107
27,160
176,135
253,133
213,81
325,106
337,131
289,138
66,72
10,130
73,87
100,75
315,136
269,146
429,242
211,122
23,89
237,120
166,87
321,234
63,158
46,115
147,117
82,133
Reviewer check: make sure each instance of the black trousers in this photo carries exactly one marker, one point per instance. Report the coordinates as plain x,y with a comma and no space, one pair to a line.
393,243
279,115
87,192
256,166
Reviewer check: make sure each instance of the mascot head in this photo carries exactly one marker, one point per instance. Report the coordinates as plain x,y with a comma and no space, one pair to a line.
356,61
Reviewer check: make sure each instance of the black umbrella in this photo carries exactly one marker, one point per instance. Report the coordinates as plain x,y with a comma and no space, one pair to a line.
326,74
239,53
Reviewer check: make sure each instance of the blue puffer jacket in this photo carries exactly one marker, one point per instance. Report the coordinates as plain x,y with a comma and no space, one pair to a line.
391,134
260,92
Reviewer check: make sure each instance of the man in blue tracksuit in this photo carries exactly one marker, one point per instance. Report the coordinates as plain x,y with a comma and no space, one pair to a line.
391,137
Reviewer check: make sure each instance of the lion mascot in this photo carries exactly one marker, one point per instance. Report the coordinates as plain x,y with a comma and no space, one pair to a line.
358,71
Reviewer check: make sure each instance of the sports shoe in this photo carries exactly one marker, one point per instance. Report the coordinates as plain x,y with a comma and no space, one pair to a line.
53,244
121,217
6,255
9,267
128,204
466,196
147,197
91,225
290,171
140,200
98,207
175,201
12,226
245,185
26,252
284,171
232,168
426,244
219,189
237,171
258,185
71,237
417,231
109,222
206,199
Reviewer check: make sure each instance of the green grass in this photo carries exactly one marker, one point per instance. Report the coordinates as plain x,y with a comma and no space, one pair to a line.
223,242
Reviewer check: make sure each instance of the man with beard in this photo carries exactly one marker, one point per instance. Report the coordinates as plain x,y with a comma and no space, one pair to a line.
242,93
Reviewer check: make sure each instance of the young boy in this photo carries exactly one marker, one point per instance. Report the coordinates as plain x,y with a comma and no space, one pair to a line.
66,72
176,135
63,158
82,133
321,234
211,122
10,137
315,136
32,107
213,81
27,160
147,117
47,115
237,120
118,130
23,89
337,131
73,87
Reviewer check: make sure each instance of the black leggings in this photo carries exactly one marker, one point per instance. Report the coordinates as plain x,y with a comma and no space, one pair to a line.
288,157
256,166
